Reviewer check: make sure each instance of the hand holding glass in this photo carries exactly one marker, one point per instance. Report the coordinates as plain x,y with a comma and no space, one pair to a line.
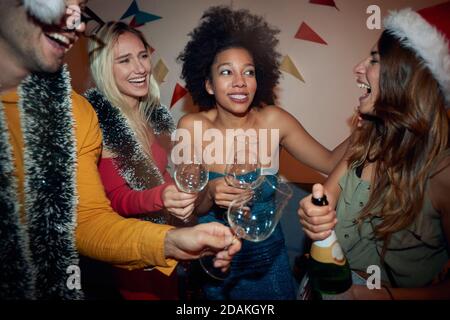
191,177
254,219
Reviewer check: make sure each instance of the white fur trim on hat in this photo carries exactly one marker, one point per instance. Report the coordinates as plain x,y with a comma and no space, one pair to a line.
431,45
46,11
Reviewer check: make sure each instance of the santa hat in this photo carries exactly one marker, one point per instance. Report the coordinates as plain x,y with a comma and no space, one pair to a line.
46,11
427,33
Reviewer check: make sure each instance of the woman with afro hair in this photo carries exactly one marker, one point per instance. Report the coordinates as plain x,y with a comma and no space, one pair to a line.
231,68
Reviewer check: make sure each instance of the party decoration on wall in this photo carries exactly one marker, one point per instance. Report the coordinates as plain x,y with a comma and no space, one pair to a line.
131,11
92,22
288,66
142,18
329,3
139,17
305,32
160,71
178,93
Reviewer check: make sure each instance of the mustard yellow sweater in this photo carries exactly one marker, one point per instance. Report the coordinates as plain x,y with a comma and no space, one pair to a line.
101,233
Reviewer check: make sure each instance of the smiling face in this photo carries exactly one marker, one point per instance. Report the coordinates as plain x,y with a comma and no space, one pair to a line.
32,45
368,78
233,81
131,68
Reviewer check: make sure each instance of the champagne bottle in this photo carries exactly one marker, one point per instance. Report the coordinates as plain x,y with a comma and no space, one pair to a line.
329,270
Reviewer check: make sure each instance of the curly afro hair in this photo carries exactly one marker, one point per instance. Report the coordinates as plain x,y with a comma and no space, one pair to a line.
222,28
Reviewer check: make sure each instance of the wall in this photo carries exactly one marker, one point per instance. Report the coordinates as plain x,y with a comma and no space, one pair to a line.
323,104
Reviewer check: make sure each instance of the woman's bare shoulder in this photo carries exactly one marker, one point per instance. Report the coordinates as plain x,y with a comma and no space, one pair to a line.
275,115
189,120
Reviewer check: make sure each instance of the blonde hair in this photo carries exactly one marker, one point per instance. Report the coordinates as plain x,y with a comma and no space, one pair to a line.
101,59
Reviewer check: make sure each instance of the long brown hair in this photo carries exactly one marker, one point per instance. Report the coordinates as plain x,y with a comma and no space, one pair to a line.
407,135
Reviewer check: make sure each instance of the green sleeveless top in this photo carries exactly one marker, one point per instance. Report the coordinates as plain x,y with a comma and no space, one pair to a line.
414,256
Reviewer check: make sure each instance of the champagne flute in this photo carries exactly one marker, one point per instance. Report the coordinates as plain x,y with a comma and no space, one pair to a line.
254,219
191,177
243,168
242,171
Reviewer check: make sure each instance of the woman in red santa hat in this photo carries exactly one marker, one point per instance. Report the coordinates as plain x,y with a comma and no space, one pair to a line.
392,188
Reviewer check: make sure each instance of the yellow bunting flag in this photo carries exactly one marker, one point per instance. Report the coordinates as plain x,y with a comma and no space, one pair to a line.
160,71
287,65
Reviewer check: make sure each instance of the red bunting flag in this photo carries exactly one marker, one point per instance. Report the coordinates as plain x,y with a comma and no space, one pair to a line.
329,3
306,33
178,93
133,23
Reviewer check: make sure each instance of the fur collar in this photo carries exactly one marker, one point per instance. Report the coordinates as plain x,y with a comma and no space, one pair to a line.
133,164
36,255
426,40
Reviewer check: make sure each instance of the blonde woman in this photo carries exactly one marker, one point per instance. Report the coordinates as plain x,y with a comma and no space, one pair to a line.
136,130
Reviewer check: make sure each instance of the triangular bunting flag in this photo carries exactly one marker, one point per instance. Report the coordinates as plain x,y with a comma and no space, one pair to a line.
160,71
144,17
178,93
288,66
133,23
139,17
131,11
306,33
329,3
